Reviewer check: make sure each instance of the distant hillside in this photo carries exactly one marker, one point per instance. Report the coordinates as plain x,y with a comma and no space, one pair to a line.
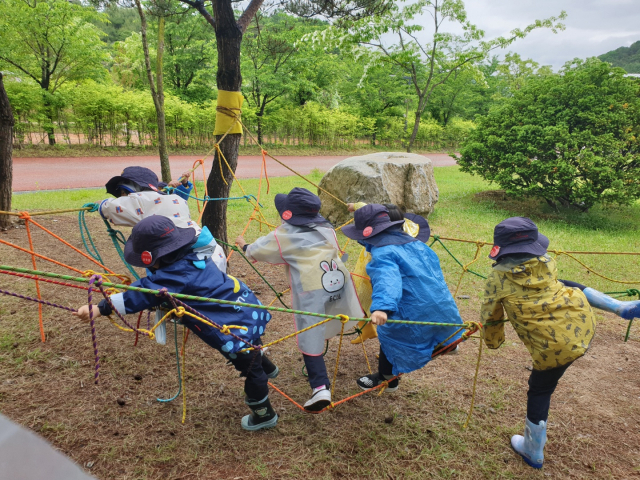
625,57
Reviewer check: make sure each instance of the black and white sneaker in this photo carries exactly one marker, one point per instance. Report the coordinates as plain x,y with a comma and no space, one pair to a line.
320,399
370,381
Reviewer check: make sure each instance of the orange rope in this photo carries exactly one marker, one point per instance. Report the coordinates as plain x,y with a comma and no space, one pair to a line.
33,260
195,187
40,256
27,218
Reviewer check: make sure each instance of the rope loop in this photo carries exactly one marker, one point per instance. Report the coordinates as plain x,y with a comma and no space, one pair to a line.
179,312
343,318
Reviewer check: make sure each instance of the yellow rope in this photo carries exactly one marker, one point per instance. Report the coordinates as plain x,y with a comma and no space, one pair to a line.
184,373
343,320
289,336
475,377
560,252
465,268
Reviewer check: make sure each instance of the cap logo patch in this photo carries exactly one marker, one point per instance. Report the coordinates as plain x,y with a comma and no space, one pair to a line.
494,251
286,215
167,231
146,257
153,187
367,231
518,236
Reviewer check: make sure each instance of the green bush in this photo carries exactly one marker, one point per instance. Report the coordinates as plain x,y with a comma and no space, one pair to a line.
571,138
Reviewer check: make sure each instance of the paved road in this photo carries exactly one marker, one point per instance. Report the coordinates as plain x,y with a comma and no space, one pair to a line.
55,173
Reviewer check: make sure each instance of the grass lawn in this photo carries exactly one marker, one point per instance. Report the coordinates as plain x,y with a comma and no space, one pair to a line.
415,433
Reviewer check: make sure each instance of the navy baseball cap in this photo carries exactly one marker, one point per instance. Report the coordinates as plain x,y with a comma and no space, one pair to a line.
152,238
299,207
133,179
369,221
424,231
517,235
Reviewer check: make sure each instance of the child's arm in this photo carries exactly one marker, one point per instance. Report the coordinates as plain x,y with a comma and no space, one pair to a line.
492,311
387,286
264,249
182,186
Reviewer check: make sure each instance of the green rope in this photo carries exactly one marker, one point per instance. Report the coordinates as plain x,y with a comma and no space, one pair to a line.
195,298
117,237
239,250
436,238
84,231
175,339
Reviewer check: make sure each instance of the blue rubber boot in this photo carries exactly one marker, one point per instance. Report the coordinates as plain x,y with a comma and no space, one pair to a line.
262,415
531,446
626,310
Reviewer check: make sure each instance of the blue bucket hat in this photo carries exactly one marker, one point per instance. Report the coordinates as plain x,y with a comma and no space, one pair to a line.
517,235
133,179
369,221
154,237
299,207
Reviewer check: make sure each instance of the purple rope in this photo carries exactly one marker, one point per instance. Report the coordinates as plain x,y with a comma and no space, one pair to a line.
113,309
44,302
93,328
148,319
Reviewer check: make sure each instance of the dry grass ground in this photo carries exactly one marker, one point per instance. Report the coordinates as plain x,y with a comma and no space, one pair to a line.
413,433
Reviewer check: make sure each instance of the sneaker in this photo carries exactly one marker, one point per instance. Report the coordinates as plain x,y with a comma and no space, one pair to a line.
320,399
455,351
370,381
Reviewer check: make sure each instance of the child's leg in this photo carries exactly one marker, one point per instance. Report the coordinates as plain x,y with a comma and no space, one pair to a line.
256,390
385,372
268,366
569,283
542,384
317,371
319,381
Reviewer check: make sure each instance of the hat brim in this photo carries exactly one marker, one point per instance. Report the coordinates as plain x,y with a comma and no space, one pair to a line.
356,234
184,237
539,247
112,185
282,205
425,230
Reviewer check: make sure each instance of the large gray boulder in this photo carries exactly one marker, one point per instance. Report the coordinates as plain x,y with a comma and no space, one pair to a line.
405,179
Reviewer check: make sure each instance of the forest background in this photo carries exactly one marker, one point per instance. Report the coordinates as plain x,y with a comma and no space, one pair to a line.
298,92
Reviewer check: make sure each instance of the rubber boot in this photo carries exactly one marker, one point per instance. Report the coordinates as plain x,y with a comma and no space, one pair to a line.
626,310
531,446
262,415
368,331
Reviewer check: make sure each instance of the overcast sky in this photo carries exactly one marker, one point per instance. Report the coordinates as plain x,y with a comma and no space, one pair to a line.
593,27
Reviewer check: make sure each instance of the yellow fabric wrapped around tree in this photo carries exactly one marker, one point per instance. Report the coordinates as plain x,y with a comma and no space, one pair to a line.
229,105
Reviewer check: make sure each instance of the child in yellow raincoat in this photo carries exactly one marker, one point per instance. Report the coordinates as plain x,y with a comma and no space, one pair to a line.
555,322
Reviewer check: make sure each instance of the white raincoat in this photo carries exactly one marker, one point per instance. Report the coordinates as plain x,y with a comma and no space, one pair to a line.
129,210
320,282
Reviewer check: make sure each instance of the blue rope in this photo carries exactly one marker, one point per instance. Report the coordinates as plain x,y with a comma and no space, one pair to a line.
209,199
175,338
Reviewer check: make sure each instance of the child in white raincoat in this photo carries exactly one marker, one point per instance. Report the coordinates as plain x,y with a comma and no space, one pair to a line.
306,244
138,196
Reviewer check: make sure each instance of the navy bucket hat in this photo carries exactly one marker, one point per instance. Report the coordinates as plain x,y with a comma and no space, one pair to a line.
133,179
369,221
517,235
424,231
154,237
299,207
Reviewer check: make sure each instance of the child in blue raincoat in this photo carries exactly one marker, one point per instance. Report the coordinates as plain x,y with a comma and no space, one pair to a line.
165,249
408,284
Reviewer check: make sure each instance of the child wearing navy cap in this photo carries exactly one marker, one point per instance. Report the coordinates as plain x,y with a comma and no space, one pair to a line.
408,284
552,317
165,249
306,245
138,195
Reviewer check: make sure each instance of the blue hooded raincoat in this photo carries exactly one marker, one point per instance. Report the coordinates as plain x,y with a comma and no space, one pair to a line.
184,277
408,284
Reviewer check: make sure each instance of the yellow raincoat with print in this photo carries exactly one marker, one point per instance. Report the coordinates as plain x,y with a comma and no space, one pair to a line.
555,322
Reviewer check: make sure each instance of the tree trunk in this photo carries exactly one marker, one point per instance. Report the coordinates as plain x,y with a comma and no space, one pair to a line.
48,128
228,38
165,168
259,120
414,133
156,94
6,165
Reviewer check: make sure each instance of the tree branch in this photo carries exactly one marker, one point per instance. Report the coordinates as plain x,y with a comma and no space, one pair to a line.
248,14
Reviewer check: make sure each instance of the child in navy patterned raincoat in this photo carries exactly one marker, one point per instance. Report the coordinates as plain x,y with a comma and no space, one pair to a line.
166,251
